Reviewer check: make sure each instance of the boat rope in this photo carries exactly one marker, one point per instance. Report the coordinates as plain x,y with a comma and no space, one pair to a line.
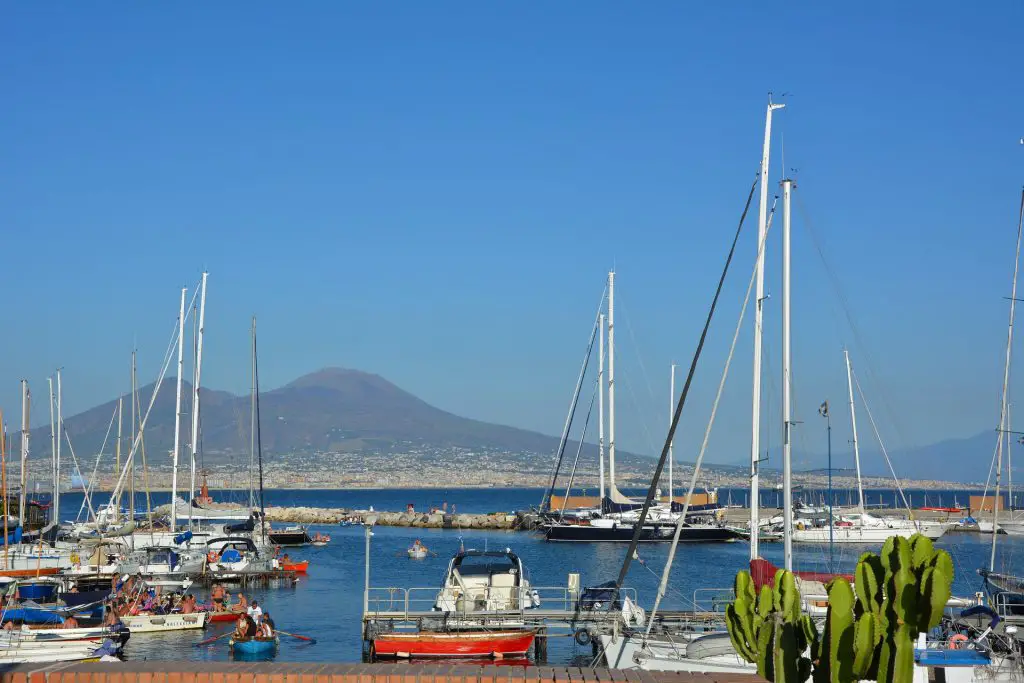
878,437
663,584
545,503
638,528
641,414
74,459
91,484
579,450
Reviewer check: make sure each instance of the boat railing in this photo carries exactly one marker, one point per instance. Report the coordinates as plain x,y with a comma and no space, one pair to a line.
404,603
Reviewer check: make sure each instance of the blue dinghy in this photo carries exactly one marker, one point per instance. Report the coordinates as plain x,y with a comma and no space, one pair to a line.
254,646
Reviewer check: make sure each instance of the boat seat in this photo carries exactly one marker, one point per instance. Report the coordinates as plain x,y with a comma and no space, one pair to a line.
502,591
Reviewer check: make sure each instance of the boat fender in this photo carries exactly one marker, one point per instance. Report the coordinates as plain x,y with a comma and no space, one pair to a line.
957,641
582,637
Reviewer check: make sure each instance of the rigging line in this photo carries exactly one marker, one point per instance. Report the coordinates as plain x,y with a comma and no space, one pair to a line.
844,301
640,415
92,479
643,372
881,445
638,528
74,459
546,499
663,585
579,450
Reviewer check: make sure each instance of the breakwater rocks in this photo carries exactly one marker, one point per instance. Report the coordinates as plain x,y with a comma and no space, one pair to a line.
436,520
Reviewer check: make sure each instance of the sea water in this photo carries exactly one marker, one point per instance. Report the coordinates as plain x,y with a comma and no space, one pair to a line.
327,603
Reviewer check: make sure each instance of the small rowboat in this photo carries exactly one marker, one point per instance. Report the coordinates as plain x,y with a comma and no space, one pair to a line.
318,544
417,553
493,644
253,646
299,567
154,623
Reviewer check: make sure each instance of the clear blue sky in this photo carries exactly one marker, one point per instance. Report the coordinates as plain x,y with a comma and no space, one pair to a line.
434,192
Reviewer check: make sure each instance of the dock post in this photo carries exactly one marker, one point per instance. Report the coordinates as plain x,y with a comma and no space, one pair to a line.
540,647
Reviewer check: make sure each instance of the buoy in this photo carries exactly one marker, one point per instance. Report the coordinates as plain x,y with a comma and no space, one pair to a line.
957,641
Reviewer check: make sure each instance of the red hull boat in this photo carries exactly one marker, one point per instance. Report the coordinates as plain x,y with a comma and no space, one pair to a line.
224,616
763,572
492,644
298,567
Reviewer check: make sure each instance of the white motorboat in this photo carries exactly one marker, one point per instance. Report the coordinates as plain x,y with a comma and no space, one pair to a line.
160,563
704,653
232,556
158,623
486,581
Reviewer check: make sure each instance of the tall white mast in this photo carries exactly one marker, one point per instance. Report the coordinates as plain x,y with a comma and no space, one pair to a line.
60,437
600,409
177,412
755,437
671,444
613,491
25,401
1004,406
853,424
787,378
53,450
120,410
195,395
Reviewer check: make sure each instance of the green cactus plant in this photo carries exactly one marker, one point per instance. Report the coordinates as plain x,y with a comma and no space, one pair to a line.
768,629
869,632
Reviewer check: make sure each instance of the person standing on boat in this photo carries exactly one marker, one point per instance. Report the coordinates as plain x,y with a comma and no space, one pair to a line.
217,597
255,611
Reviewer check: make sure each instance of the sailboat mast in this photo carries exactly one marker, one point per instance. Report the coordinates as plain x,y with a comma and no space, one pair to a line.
600,409
755,436
252,418
53,451
612,490
787,422
60,437
177,411
120,408
26,400
1003,408
853,425
195,395
259,439
671,444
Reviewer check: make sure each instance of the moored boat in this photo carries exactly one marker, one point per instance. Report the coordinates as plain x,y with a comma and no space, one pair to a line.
494,644
299,567
157,623
253,646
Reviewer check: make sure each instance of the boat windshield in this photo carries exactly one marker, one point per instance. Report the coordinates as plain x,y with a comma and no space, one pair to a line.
485,566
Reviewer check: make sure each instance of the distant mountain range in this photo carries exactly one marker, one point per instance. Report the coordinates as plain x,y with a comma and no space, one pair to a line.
341,410
333,409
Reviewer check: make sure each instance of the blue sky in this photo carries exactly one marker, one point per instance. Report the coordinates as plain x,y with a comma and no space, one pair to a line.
434,192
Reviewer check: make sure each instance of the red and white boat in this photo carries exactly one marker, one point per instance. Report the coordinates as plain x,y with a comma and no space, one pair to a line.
480,644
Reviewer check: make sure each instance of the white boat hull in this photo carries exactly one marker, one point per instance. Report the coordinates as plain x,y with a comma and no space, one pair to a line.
624,652
158,623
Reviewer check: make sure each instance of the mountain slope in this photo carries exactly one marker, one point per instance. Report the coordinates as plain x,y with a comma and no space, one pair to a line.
333,409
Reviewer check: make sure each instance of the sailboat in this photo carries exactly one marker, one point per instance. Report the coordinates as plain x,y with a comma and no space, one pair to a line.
1006,591
860,526
618,515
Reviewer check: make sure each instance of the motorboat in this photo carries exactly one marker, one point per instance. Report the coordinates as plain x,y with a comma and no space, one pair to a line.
163,565
158,623
485,581
231,556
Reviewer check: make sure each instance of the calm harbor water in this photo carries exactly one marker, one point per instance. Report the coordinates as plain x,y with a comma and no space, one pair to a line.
327,603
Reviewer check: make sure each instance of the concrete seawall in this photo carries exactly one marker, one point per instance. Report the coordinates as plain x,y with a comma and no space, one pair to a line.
310,515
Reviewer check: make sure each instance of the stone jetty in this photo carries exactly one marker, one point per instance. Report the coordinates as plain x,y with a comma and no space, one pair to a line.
424,520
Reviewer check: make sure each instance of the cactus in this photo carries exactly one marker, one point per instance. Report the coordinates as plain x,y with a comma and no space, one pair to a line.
869,633
768,629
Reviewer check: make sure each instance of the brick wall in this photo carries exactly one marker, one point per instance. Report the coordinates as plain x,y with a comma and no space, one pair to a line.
222,672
